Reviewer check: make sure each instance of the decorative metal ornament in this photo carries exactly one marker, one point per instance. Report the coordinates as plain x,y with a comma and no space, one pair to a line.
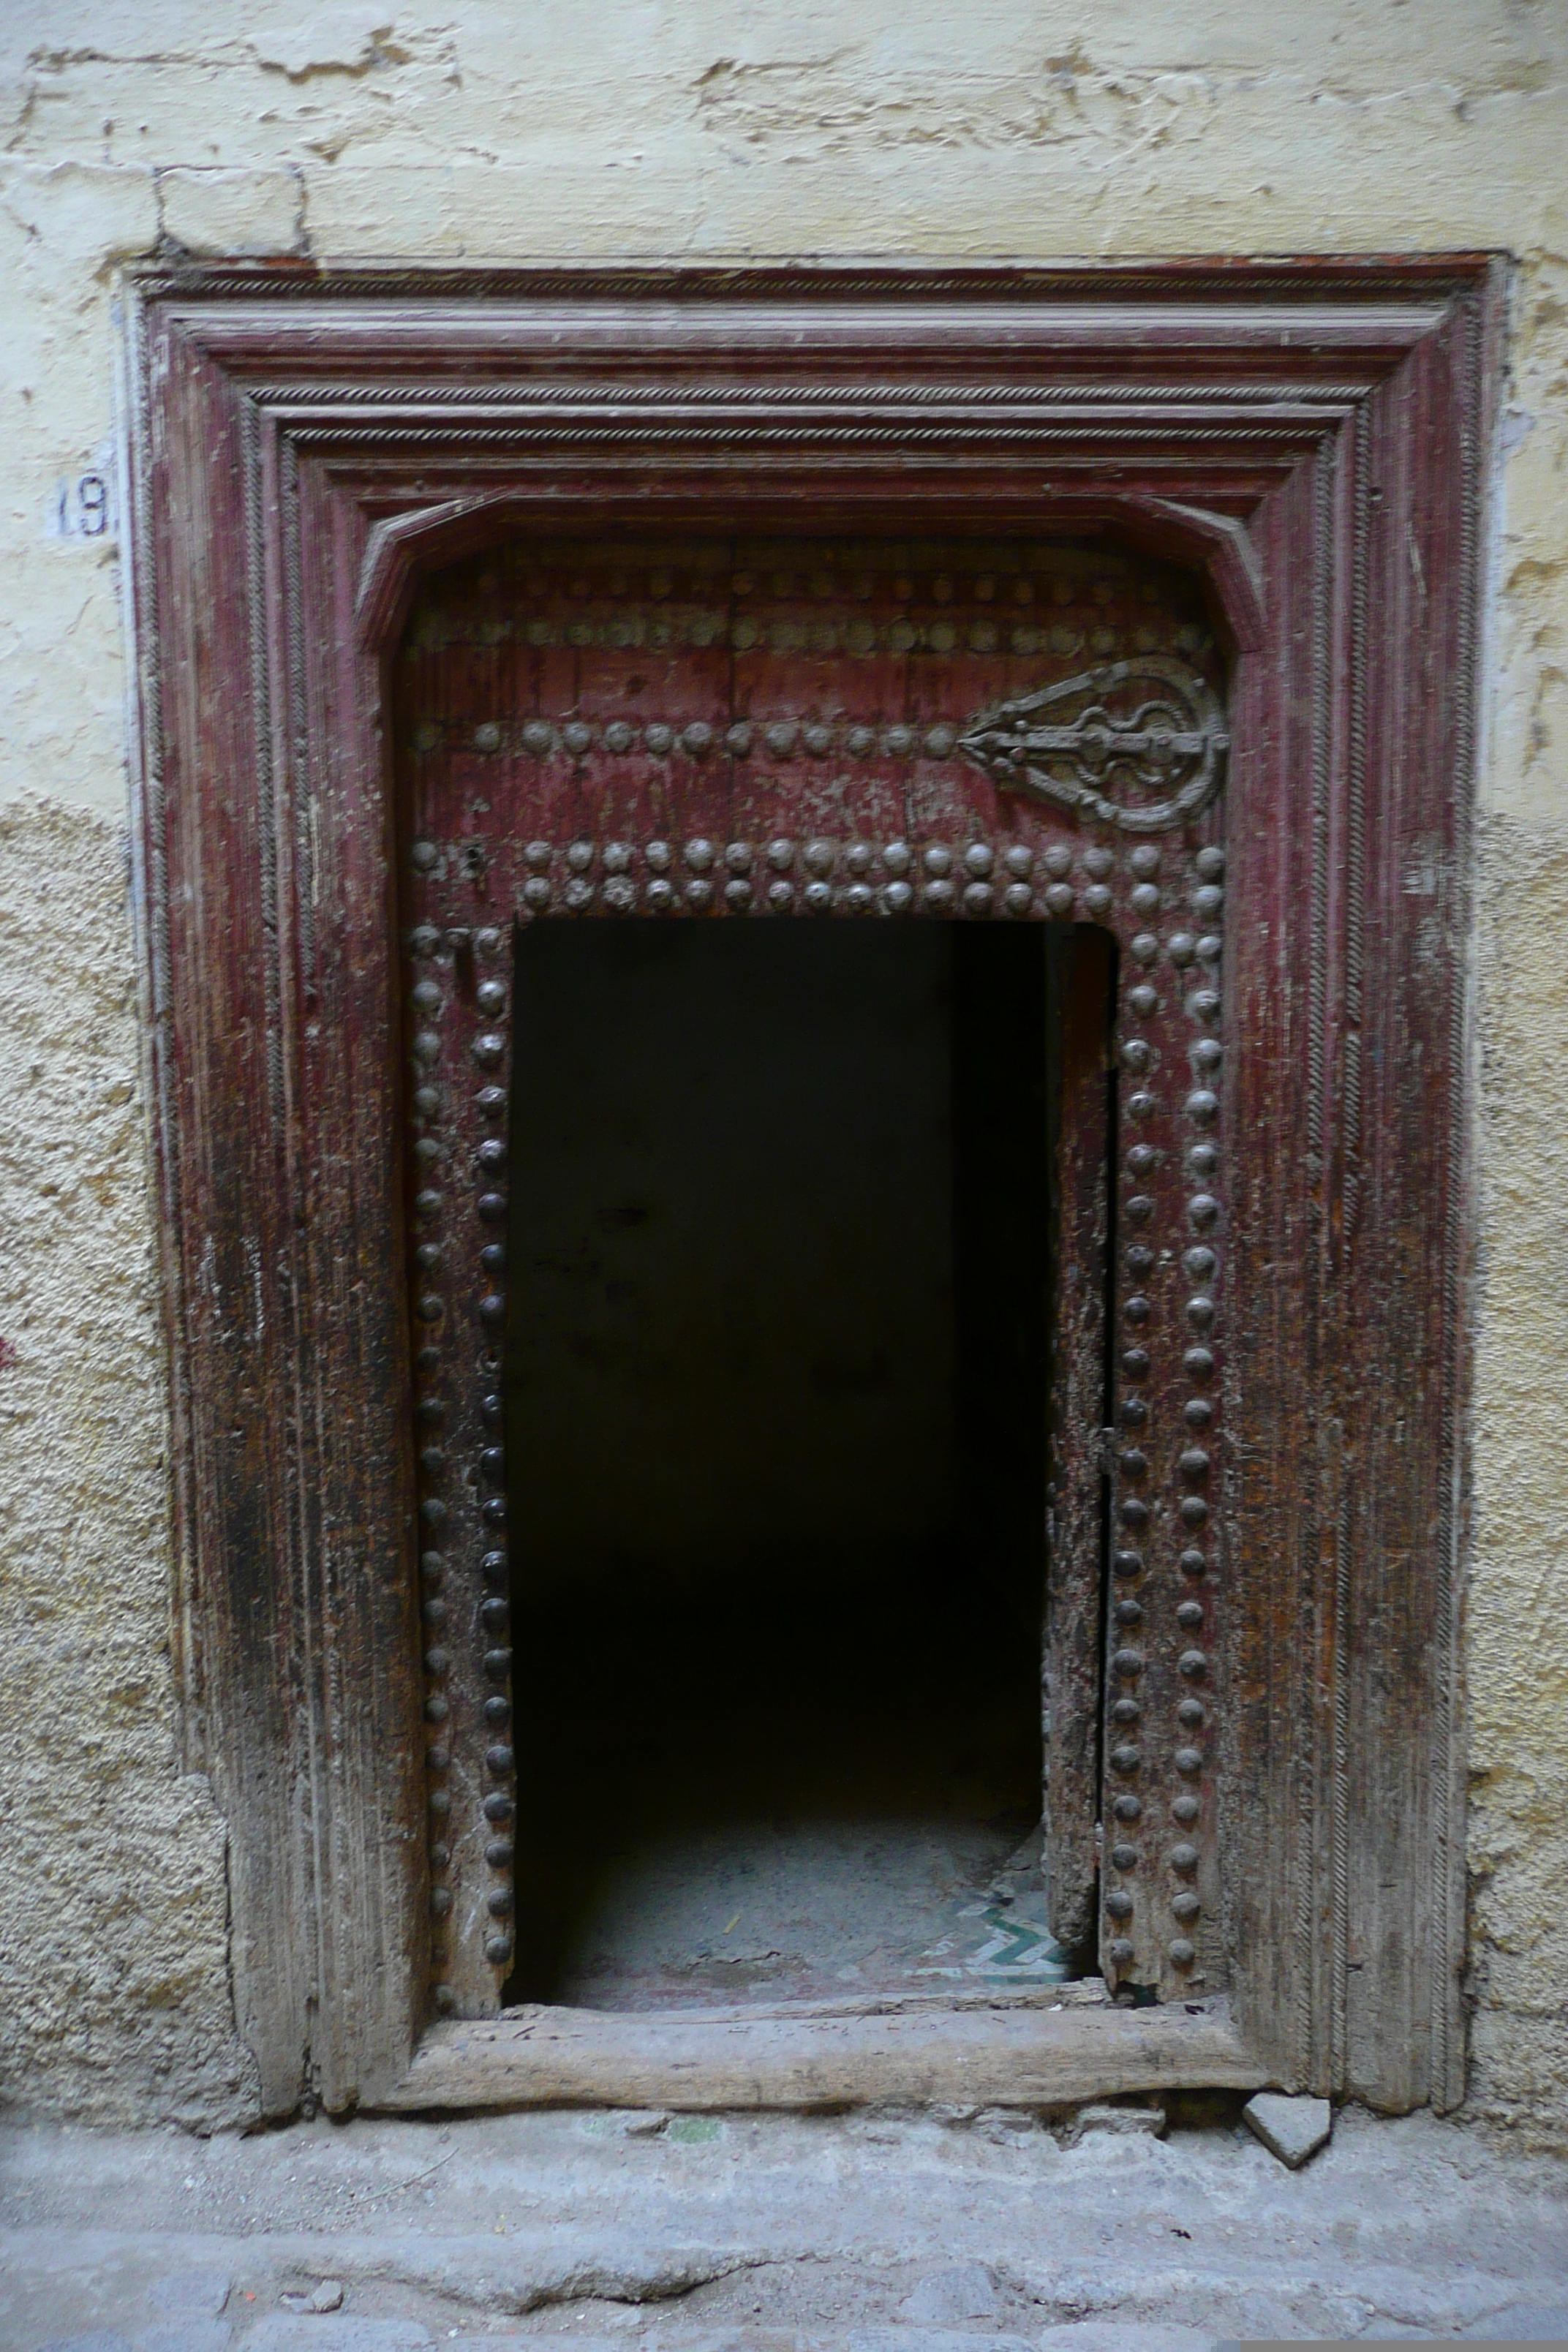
1174,743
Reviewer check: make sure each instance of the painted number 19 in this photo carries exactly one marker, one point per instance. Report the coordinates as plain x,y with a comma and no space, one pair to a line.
84,506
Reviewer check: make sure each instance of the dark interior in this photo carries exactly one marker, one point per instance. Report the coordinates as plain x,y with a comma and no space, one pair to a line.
776,1395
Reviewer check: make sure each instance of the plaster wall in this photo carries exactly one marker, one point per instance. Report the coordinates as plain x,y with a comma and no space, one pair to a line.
508,129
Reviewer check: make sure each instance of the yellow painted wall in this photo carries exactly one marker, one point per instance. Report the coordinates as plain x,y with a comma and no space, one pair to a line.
513,129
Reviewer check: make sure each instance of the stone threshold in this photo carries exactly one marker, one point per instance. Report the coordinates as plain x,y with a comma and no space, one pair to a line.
1034,2051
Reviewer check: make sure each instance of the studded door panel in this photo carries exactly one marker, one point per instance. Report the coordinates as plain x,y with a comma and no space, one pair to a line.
739,731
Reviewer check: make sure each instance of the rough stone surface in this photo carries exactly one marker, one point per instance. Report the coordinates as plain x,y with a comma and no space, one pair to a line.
732,128
1132,2122
113,1989
891,2232
1291,2129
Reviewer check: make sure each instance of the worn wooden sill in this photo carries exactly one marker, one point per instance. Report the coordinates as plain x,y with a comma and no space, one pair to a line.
1050,2049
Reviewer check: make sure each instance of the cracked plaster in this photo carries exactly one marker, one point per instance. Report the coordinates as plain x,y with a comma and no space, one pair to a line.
503,130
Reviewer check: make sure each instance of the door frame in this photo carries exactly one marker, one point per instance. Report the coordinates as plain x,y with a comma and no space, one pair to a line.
1312,439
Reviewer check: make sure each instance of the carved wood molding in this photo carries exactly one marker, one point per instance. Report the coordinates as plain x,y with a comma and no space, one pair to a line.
1309,439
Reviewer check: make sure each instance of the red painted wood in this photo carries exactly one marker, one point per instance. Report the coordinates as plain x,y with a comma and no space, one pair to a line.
1336,412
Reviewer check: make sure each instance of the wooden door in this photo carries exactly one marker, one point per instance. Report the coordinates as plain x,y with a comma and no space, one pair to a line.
747,729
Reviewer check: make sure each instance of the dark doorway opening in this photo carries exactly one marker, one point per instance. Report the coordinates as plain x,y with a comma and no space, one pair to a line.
777,1391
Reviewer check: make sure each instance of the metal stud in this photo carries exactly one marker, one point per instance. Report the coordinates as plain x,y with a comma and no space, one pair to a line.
898,856
978,859
1185,1907
1098,862
1193,1664
780,737
619,894
1124,1857
1125,1759
1127,1563
657,856
978,897
1121,1951
1059,899
1210,948
1020,861
818,898
697,739
781,856
1144,947
1018,898
781,897
1127,1807
699,893
1210,864
661,896
1190,1615
858,859
1145,861
617,856
1208,903
1182,1953
658,738
897,897
937,895
1058,860
861,740
737,894
498,1951
737,857
1188,1760
1145,899
819,856
1119,1903
938,860
698,855
1193,1563
940,741
738,739
619,736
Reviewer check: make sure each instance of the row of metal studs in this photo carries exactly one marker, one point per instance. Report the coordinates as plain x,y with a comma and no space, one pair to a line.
941,588
703,630
940,891
781,738
426,1005
1201,1265
428,1002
